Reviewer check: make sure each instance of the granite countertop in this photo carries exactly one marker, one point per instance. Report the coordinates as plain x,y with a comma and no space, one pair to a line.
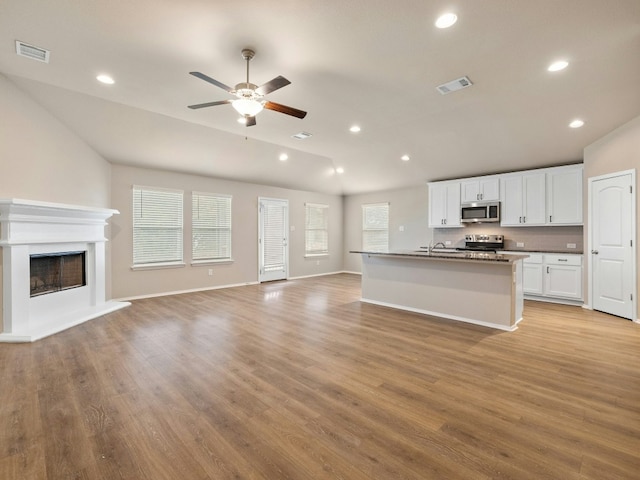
561,252
450,255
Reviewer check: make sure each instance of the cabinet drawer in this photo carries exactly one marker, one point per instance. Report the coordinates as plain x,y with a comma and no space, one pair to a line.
575,260
534,258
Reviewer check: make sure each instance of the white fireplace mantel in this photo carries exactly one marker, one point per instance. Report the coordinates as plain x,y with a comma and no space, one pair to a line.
31,227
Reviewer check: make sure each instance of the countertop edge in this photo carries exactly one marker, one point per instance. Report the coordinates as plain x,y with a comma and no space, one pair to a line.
506,258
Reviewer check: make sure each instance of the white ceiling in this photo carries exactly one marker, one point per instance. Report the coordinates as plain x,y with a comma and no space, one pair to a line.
368,62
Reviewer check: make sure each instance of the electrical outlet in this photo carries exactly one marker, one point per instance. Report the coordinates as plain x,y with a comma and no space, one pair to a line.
571,245
519,244
292,228
447,243
401,228
210,271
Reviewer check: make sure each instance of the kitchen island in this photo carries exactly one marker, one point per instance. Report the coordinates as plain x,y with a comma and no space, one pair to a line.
480,288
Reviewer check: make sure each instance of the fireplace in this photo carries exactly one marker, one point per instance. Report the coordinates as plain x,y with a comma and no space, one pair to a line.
54,272
53,267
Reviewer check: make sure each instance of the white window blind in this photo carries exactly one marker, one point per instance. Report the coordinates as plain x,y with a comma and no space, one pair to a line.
211,226
375,227
316,234
157,225
273,236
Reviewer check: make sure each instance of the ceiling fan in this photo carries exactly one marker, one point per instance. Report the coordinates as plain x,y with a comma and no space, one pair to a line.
249,101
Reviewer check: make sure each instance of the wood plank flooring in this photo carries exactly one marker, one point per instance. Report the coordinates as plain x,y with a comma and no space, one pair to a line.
299,380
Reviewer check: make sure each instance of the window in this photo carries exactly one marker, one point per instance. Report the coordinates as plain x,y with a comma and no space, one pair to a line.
157,226
316,233
211,226
375,227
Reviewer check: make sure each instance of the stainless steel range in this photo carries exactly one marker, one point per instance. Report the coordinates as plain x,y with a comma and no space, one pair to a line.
483,243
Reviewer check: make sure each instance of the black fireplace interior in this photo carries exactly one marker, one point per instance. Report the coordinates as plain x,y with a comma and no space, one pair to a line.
53,272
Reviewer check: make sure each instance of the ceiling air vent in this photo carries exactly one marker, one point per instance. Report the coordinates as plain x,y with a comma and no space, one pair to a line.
301,135
31,51
453,85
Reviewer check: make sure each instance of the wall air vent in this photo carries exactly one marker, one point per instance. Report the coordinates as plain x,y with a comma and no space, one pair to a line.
301,135
32,52
453,85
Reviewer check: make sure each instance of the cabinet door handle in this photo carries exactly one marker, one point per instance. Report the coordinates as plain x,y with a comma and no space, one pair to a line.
445,221
520,220
549,218
547,269
481,196
595,252
524,219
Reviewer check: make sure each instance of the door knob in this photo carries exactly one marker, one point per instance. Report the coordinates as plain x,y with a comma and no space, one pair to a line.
595,252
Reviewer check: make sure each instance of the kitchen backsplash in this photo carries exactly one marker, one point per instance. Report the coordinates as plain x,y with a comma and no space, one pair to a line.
554,239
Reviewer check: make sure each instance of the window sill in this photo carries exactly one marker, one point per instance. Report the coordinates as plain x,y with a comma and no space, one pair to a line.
157,266
316,255
198,263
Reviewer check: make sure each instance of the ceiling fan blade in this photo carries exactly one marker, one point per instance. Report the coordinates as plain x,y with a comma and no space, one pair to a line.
209,104
272,85
204,77
251,121
277,107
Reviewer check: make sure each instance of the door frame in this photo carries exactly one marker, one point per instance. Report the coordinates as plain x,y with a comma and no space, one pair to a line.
260,234
634,264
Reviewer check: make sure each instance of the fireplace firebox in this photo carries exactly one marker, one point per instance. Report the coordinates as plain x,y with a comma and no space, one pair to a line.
53,272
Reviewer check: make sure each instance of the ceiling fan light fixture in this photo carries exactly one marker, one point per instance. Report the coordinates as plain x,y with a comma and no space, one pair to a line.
247,107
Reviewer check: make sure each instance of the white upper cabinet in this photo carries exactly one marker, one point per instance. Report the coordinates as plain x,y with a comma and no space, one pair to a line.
523,199
564,195
444,204
485,189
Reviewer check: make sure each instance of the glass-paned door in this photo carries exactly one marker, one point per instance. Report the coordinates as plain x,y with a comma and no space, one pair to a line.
273,239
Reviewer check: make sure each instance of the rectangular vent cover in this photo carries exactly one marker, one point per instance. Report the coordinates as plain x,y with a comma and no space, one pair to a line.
301,135
453,85
31,51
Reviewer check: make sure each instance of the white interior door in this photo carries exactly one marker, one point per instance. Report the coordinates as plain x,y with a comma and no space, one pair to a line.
273,241
612,226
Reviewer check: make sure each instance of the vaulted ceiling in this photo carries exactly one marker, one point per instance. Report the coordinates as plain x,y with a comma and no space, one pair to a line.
367,62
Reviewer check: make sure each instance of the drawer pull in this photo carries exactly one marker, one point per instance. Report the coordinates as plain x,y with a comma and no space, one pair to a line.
563,260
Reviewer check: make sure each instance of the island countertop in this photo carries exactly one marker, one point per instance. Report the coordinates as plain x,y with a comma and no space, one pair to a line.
465,256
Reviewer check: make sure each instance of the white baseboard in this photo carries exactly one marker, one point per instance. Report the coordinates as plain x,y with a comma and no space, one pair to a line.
314,275
179,292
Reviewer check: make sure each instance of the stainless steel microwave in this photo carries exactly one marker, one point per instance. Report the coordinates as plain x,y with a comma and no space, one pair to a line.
480,212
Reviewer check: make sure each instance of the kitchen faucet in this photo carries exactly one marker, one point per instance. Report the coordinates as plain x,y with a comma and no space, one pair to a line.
431,247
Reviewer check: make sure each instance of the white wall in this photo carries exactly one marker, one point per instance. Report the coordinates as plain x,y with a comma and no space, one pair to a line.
615,152
244,269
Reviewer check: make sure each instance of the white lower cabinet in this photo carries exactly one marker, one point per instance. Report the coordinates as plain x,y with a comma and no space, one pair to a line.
563,276
553,277
532,279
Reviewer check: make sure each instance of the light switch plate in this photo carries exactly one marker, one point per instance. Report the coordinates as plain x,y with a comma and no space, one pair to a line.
571,245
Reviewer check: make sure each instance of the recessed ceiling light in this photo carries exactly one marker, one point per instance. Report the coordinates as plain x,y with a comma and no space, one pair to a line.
405,158
446,20
339,170
106,79
557,66
577,123
284,157
355,129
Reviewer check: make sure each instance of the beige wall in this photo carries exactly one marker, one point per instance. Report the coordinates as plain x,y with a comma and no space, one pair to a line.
615,152
43,160
244,269
408,208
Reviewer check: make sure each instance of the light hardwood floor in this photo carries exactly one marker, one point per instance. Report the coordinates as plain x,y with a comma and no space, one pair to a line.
299,380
